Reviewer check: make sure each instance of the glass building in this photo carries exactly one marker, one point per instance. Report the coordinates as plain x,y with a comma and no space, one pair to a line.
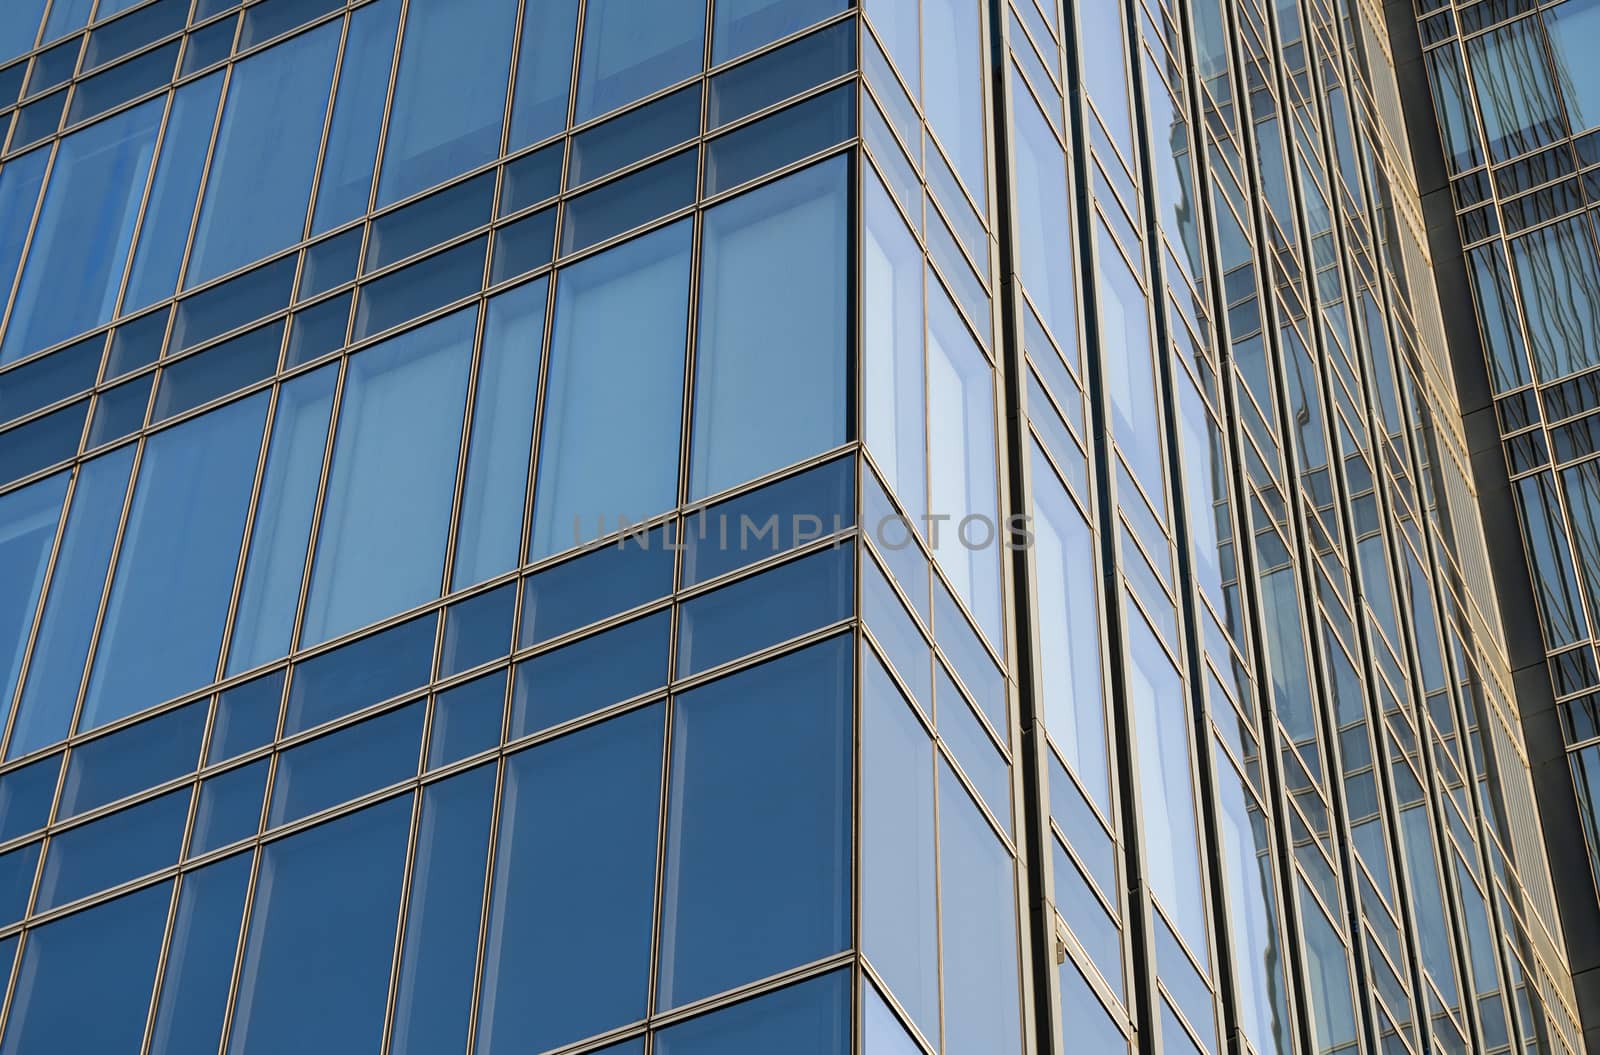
705,527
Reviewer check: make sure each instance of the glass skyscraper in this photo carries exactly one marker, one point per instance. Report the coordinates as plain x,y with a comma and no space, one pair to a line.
713,527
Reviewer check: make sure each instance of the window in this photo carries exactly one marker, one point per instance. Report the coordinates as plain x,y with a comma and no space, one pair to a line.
69,282
1551,561
169,600
20,183
1570,24
346,183
271,593
897,847
1130,374
1497,316
450,93
953,94
28,520
344,765
1043,244
894,396
1559,275
205,936
259,185
770,365
316,965
811,1018
881,1031
607,668
758,815
632,48
1105,68
544,71
1515,94
489,538
963,489
381,543
568,950
609,443
744,25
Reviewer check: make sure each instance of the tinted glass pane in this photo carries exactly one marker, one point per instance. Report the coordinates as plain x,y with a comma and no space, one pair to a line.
634,47
28,520
346,181
114,849
230,808
247,717
630,202
544,71
169,601
110,951
450,94
755,85
381,545
609,443
477,630
968,739
194,995
744,25
467,719
435,219
316,966
1046,263
568,951
26,795
1569,24
17,869
780,139
812,1018
132,759
342,765
358,675
758,816
766,609
637,134
768,521
952,44
897,635
587,589
893,387
607,668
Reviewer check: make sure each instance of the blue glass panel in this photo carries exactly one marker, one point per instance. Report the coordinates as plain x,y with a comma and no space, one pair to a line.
639,133
194,994
264,623
632,48
896,24
17,869
766,609
609,443
952,43
1094,1028
19,28
267,20
894,392
342,765
450,93
360,674
51,692
467,719
329,263
1557,271
768,521
260,291
316,967
265,158
1041,171
114,849
979,758
812,1018
881,1031
26,795
175,570
780,139
607,668
895,538
230,807
972,662
207,46
523,245
982,1010
771,362
489,537
318,330
532,178
419,288
346,183
50,378
66,16
544,71
74,267
431,221
119,411
1569,24
896,633
137,343
28,520
1069,809
761,762
744,25
133,759
568,952
587,589
165,231
897,847
439,958
111,951
380,548
217,371
777,75
120,84
629,202
477,630
42,442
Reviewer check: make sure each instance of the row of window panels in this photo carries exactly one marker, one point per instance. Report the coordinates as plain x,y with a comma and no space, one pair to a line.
251,204
112,37
124,402
765,753
1526,174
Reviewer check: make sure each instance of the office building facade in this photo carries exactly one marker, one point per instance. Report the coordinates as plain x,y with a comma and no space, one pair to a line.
928,526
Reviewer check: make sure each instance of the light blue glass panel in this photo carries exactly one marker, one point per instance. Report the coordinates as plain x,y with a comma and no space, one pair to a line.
759,816
1516,94
881,1031
51,692
953,93
266,154
1559,275
66,16
898,929
1105,68
434,1001
568,951
893,387
70,280
544,71
1069,631
1333,1005
165,231
982,1010
1574,26
264,624
380,547
963,487
744,25
812,1018
450,94
19,26
1045,254
896,23
28,520
110,951
169,600
609,443
346,183
1125,348
632,48
194,995
770,362
490,535
316,968
20,182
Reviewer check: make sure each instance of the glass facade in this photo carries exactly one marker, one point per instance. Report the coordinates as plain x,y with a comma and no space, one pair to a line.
919,527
